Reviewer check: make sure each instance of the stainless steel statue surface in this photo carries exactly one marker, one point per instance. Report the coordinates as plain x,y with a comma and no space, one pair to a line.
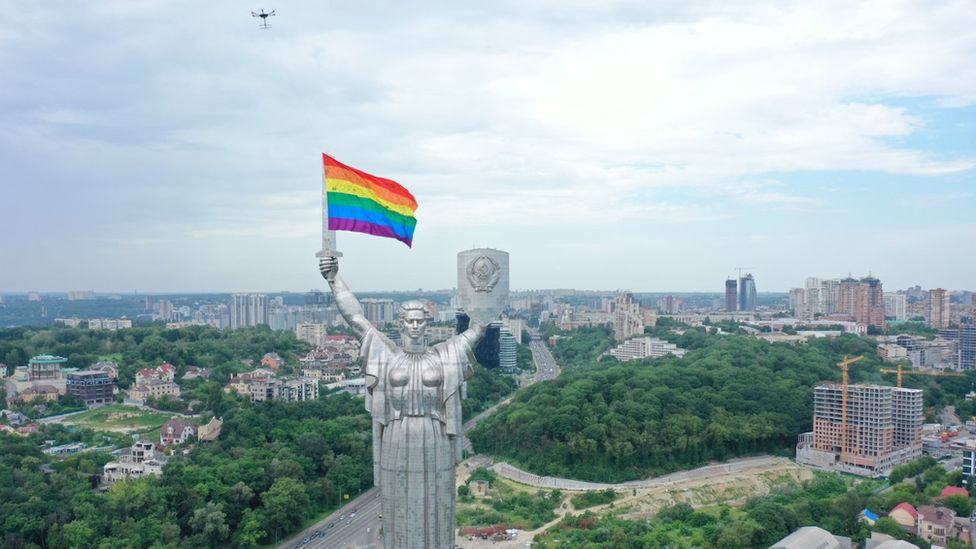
414,396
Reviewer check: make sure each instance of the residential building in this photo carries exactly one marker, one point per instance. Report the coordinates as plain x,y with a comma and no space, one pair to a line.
517,326
436,334
862,299
627,319
109,368
311,333
507,361
317,297
892,352
154,388
297,390
965,339
176,431
210,431
261,385
905,515
645,347
94,388
731,295
938,308
194,372
747,293
109,323
882,428
935,523
81,295
36,392
379,311
163,372
248,310
969,462
165,308
273,361
896,305
140,460
45,368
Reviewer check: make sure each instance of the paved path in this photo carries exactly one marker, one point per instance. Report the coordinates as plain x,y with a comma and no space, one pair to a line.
60,418
514,473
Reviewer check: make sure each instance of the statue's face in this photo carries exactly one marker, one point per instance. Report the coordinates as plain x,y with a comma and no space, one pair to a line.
413,324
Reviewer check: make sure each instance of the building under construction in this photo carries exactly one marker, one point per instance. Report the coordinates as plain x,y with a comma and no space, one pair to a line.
877,428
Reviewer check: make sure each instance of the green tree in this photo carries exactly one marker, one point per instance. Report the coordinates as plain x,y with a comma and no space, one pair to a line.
210,521
285,505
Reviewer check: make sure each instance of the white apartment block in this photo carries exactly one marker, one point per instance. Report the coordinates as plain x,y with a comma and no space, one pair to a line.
312,333
645,347
895,305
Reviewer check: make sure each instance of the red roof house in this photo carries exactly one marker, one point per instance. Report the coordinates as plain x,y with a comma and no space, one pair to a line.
954,491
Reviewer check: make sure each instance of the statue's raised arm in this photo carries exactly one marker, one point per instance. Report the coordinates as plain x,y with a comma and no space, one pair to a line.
346,301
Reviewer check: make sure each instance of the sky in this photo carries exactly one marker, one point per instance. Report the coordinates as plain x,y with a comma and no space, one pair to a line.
650,146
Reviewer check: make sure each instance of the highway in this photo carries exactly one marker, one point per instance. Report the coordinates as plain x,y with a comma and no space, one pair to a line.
545,365
340,530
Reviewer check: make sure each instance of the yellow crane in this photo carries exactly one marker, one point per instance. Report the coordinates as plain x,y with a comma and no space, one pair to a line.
919,373
843,365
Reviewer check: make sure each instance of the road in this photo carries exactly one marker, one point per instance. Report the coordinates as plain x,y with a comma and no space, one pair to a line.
545,364
60,418
339,531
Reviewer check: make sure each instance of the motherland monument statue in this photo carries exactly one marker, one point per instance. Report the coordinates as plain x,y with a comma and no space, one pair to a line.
413,391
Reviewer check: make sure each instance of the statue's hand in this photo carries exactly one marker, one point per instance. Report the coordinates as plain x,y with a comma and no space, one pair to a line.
329,266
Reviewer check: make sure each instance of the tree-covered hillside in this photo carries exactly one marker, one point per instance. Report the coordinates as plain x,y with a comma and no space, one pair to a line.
606,421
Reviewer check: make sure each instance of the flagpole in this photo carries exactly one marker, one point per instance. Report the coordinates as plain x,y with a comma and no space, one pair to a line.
328,236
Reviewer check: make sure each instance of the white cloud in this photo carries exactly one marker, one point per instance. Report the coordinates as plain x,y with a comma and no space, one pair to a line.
507,113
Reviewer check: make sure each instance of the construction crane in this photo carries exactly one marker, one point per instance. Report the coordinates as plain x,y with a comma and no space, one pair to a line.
919,373
843,365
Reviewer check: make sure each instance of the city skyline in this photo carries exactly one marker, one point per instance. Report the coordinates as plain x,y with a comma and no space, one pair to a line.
671,143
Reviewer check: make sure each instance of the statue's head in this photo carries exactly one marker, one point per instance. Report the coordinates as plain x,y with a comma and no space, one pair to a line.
413,322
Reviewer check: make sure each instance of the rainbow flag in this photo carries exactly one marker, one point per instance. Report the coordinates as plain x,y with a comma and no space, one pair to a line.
364,203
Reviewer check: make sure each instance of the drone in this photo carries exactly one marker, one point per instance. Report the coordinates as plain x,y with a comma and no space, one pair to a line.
264,18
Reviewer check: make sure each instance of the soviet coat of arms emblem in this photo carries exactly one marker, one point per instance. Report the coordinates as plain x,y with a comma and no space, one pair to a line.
483,274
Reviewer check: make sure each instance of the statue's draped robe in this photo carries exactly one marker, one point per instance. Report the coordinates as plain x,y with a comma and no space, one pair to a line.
415,401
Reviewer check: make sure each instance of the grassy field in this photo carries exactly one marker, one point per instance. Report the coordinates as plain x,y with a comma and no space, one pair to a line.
509,503
120,419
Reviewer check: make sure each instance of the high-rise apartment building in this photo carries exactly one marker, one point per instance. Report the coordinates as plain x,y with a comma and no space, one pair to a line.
248,310
862,299
379,311
896,305
165,309
829,289
317,297
731,295
965,338
938,308
627,318
747,293
507,361
882,428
